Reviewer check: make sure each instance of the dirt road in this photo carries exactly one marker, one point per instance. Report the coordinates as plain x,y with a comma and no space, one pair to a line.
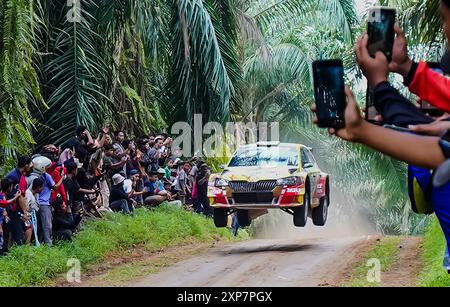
293,262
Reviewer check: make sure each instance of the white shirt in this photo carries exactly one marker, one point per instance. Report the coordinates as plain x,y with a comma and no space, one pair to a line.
31,201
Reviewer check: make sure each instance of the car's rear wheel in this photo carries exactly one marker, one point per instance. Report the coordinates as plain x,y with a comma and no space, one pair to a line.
320,214
220,217
243,218
301,213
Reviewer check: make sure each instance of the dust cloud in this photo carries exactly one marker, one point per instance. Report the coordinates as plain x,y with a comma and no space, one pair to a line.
346,218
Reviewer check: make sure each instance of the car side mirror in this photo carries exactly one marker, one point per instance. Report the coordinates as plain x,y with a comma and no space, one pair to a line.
308,165
222,166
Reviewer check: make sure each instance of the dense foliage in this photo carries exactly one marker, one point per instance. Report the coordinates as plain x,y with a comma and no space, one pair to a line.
144,64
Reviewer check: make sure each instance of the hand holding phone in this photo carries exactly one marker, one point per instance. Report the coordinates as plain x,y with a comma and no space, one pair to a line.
329,93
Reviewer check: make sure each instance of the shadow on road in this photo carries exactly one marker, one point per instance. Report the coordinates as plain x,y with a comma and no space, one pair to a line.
285,248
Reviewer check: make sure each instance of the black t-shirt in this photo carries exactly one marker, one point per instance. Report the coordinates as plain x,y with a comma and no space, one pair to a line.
202,188
72,190
117,193
77,143
86,180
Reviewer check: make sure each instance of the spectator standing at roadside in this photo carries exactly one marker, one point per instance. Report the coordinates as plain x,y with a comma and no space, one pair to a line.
182,183
202,179
32,204
6,187
40,167
18,207
121,152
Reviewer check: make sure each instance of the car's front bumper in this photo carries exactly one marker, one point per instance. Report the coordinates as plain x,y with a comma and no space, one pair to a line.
280,197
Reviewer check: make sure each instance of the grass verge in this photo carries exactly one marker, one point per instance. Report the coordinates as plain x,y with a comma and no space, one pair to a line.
433,273
385,250
100,239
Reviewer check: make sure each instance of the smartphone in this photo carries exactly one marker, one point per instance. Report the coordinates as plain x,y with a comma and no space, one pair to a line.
329,93
381,31
425,106
397,128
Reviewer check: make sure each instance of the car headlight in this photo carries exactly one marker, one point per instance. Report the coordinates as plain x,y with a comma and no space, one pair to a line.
220,182
288,181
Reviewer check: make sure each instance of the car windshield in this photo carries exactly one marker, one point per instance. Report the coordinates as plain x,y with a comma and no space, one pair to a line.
265,156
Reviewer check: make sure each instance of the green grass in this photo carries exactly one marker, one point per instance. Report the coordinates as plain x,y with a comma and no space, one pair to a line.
433,273
386,251
105,238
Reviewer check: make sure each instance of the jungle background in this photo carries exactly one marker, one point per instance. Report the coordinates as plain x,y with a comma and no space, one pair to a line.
143,65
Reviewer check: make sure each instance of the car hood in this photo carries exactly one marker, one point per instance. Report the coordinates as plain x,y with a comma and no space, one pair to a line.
255,173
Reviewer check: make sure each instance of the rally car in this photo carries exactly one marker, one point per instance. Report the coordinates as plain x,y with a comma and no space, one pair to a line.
270,175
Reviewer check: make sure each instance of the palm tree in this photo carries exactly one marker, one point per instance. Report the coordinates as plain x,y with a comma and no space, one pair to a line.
19,86
279,89
136,64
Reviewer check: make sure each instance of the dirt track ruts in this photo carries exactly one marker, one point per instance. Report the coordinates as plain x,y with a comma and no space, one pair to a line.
259,263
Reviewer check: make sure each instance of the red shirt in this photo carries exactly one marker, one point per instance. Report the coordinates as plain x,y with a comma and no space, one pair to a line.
3,201
16,177
55,172
431,86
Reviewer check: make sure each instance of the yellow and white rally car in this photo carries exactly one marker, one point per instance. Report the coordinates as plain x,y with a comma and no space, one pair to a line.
270,175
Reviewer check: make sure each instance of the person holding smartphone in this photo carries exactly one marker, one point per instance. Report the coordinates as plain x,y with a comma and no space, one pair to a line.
17,209
421,79
6,188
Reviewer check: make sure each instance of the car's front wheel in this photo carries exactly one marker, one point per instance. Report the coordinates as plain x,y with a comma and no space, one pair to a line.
301,213
320,214
220,217
243,218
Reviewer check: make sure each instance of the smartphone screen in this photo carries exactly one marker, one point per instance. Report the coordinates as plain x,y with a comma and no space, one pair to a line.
329,93
425,106
381,31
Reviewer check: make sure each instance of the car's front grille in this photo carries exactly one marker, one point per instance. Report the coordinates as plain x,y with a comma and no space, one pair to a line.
249,187
253,198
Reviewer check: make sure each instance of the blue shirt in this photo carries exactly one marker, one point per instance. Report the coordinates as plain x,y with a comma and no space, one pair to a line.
14,176
1,209
44,196
152,186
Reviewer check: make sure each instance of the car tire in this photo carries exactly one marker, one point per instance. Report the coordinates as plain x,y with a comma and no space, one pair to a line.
220,217
320,214
243,218
301,213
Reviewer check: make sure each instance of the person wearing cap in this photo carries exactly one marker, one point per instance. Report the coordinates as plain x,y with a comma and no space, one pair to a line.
118,199
161,175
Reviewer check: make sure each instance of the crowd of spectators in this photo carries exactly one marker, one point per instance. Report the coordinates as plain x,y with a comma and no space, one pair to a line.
48,195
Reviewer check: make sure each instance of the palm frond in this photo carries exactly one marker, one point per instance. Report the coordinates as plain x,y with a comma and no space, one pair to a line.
77,74
200,82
